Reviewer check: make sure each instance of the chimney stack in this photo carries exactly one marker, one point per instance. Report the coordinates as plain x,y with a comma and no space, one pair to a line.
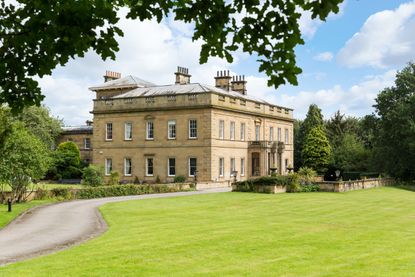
182,76
222,79
239,84
111,75
89,123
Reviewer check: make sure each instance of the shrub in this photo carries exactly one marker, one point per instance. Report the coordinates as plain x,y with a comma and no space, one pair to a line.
41,194
124,190
179,179
306,175
114,178
294,183
93,176
62,193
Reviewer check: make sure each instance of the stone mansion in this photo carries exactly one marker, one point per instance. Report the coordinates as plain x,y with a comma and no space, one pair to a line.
203,132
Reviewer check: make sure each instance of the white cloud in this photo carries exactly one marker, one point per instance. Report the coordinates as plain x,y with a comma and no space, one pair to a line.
323,57
149,50
309,26
355,101
386,39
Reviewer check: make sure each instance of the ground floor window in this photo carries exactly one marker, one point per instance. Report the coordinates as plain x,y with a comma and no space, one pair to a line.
242,167
172,167
233,168
108,166
149,167
221,166
127,167
192,166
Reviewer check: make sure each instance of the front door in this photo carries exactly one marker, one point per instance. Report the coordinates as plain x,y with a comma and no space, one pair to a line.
255,164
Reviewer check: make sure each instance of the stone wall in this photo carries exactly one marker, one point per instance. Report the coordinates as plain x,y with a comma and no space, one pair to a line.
343,186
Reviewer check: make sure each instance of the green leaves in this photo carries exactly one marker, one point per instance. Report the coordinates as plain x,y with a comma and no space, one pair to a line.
316,153
36,36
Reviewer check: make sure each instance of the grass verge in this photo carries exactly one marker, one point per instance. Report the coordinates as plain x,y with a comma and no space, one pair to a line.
359,233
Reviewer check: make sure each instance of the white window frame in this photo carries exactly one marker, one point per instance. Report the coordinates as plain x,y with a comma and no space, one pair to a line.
147,166
107,125
279,134
130,166
108,166
148,123
221,167
271,133
87,146
242,166
190,175
232,165
232,130
171,129
128,126
168,167
242,131
287,136
194,128
257,132
221,129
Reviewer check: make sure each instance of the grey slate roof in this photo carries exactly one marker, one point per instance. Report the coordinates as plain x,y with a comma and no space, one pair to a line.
184,89
126,82
77,129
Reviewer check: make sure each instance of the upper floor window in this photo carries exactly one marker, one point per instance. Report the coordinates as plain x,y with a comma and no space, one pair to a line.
232,130
271,133
192,128
287,136
171,129
221,129
87,143
150,130
257,132
192,166
108,166
128,131
242,131
127,167
279,134
108,131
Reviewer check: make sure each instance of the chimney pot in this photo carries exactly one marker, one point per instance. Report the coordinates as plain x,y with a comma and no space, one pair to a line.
182,76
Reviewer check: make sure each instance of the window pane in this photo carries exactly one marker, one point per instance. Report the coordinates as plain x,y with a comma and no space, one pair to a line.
172,166
221,165
108,166
108,135
150,131
87,143
128,128
127,167
171,129
286,136
221,129
192,128
271,133
232,130
242,131
242,167
257,132
149,167
279,134
192,166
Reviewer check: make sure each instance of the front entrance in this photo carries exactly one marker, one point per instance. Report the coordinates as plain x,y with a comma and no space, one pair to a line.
255,164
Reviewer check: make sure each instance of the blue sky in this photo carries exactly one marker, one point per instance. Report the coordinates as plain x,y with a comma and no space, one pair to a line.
346,61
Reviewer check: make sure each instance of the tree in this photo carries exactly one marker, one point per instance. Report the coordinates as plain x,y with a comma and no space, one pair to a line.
351,155
36,36
23,158
316,153
67,161
313,119
40,123
395,143
340,125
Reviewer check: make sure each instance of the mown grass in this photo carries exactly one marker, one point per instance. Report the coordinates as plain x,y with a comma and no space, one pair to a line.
361,233
17,208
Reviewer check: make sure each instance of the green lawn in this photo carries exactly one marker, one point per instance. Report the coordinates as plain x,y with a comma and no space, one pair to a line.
6,217
361,233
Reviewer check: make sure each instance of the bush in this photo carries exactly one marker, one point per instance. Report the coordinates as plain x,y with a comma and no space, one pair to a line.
307,175
114,178
41,194
179,179
294,183
93,176
62,193
124,190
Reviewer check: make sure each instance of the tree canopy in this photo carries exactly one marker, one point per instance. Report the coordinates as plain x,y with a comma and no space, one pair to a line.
395,135
316,152
37,36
